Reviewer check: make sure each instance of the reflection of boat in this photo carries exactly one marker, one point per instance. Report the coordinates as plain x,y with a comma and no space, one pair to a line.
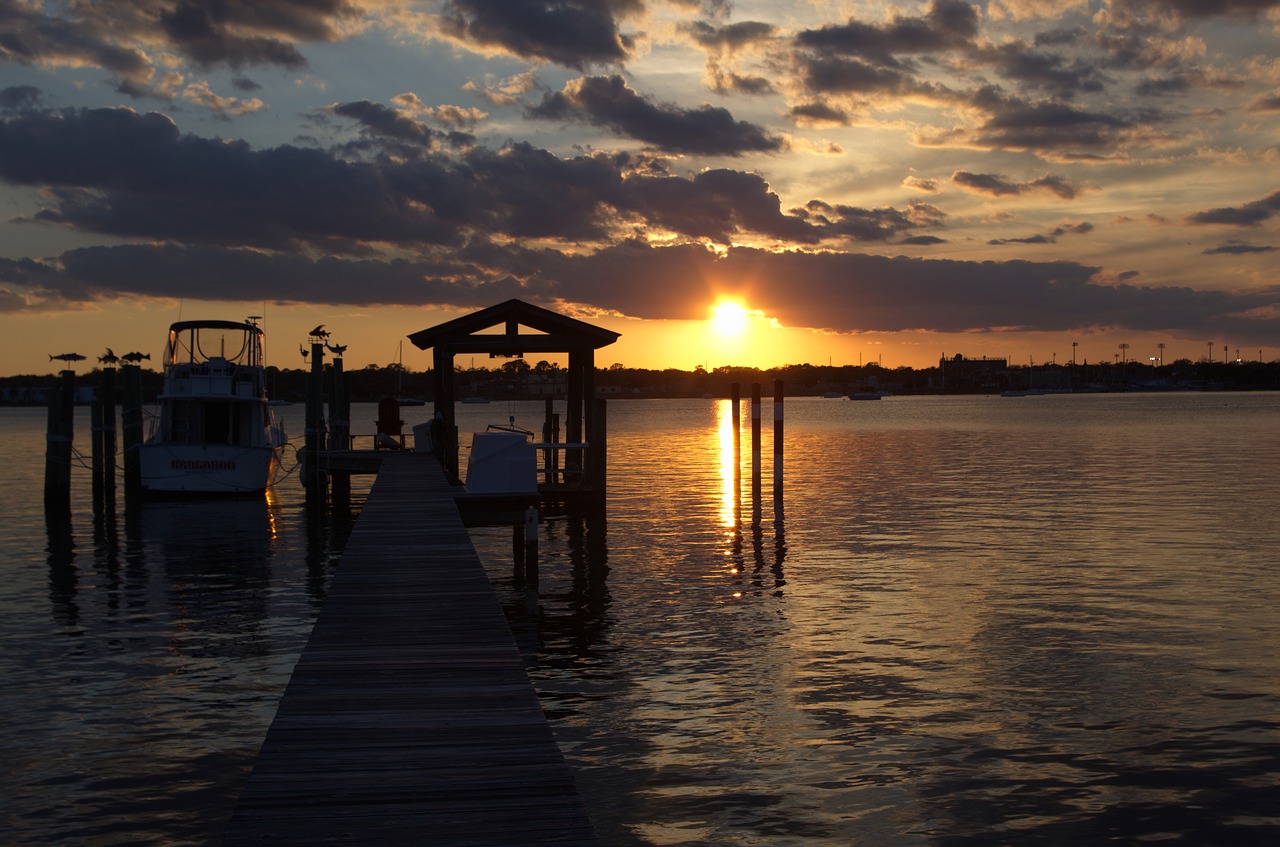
216,431
866,395
833,395
474,398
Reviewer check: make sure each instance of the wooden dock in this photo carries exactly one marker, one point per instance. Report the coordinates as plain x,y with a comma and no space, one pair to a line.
409,718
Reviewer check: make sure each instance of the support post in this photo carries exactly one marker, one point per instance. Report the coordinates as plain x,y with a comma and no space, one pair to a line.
339,433
131,419
95,451
58,438
531,545
598,450
735,412
777,437
314,424
108,390
755,437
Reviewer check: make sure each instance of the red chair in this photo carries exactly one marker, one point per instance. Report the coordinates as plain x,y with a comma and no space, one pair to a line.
390,428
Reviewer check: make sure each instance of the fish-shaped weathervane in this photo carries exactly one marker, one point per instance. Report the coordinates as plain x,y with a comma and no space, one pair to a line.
304,351
336,349
109,358
135,357
67,357
319,332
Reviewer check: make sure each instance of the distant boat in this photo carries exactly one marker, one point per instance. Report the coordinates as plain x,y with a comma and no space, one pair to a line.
216,431
866,395
834,395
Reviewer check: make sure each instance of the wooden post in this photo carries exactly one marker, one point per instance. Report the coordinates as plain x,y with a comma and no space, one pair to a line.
777,437
95,451
58,438
315,413
531,545
131,419
598,450
109,438
735,411
339,433
755,436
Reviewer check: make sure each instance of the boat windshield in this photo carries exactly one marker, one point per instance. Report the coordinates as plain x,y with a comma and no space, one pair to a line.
197,342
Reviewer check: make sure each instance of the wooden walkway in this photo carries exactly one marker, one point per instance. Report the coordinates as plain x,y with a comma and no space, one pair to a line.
409,718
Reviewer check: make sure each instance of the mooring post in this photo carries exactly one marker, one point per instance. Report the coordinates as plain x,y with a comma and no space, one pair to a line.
58,438
531,545
598,450
777,436
339,433
755,436
131,421
735,412
109,437
315,413
95,450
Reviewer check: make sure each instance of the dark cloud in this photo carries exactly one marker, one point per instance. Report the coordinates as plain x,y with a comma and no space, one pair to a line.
609,102
1050,237
574,33
20,98
731,38
117,172
121,36
1040,70
994,185
872,225
1264,103
1190,9
1016,124
383,122
1238,248
948,24
1250,214
841,292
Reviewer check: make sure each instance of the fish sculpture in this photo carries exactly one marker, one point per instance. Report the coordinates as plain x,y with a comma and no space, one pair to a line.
336,349
319,332
135,357
108,358
304,351
67,357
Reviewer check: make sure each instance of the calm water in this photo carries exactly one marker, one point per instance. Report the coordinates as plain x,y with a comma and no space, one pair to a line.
979,620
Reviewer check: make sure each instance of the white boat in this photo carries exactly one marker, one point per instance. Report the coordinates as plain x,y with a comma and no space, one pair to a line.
216,431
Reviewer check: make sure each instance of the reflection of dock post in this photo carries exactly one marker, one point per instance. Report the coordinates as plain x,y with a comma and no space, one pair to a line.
57,466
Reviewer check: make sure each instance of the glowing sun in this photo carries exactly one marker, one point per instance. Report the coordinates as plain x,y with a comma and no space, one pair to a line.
729,318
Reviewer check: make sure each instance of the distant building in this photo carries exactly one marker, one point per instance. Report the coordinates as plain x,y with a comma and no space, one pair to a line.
959,372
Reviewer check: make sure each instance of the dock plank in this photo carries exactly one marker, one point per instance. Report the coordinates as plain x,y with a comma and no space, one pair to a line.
409,718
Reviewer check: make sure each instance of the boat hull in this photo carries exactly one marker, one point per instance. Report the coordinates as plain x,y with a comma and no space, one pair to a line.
207,468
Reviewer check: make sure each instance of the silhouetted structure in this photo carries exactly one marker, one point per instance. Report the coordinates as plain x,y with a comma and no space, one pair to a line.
960,373
551,333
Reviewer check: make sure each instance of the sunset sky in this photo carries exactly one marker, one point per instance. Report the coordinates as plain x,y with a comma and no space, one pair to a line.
872,181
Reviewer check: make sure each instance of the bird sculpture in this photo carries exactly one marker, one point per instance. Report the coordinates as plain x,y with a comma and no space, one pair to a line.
108,358
319,332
